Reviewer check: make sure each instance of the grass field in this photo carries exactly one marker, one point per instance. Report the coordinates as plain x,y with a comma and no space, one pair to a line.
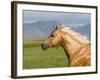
35,57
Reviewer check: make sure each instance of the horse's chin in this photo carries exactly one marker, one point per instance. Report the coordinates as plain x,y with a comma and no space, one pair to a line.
44,49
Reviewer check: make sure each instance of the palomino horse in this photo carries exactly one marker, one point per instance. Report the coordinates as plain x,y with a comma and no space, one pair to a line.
73,43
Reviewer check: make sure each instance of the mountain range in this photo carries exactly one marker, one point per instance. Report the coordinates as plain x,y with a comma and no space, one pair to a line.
42,29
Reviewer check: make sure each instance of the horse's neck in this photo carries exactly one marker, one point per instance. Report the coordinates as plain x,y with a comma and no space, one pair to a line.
70,45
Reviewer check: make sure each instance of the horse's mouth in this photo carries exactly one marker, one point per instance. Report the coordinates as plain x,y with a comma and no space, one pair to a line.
44,47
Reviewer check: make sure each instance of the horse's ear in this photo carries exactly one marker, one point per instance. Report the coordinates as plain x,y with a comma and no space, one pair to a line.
57,27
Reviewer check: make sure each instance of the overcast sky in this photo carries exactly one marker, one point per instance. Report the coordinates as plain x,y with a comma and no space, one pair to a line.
66,18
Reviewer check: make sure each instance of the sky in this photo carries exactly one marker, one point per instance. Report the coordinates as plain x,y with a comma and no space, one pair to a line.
66,18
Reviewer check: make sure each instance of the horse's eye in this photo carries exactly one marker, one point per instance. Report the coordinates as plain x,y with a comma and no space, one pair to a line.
52,35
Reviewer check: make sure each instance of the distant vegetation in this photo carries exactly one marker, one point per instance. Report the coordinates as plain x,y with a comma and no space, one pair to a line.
35,57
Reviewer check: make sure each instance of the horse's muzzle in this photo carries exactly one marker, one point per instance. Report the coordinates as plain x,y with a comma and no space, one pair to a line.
44,46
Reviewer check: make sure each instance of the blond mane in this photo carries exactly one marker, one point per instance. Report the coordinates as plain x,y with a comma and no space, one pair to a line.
78,36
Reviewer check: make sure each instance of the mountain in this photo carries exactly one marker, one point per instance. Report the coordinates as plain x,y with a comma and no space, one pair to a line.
42,29
84,30
38,30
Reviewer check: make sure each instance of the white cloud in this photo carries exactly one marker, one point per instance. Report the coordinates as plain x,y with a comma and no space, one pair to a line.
75,25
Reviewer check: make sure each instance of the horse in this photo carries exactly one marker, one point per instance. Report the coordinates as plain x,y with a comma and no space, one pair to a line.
75,45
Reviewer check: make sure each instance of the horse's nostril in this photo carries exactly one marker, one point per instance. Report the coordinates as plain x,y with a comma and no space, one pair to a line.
44,47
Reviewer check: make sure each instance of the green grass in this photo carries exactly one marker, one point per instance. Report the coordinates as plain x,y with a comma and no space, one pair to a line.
35,57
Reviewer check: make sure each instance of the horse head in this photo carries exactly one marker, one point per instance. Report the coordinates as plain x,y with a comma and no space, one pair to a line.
54,39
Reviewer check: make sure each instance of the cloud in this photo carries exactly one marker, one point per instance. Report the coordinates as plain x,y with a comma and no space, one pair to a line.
75,25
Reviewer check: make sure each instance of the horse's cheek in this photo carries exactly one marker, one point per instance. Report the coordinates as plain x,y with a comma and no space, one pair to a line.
56,42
